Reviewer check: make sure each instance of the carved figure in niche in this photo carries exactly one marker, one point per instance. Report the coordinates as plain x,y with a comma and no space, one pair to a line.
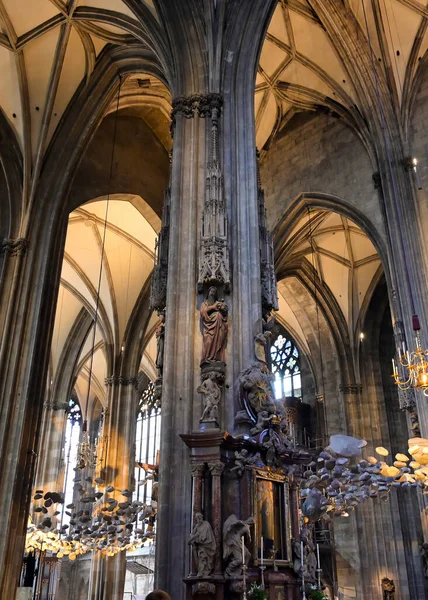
260,343
212,393
242,459
263,420
256,385
204,546
424,555
388,589
233,532
160,339
214,320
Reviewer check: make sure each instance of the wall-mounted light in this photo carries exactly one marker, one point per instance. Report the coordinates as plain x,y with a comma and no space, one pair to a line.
411,164
361,336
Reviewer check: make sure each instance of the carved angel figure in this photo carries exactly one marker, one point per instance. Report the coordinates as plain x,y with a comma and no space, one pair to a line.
242,459
211,393
214,319
204,546
233,531
263,420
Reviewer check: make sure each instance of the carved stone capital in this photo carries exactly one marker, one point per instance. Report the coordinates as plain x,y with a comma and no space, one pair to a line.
197,469
216,468
202,105
352,388
124,380
11,247
60,406
319,398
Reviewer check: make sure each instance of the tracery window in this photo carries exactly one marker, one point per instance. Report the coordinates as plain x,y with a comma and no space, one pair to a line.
286,367
72,436
147,444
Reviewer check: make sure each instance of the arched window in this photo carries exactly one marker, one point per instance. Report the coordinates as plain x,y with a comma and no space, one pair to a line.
286,367
147,444
72,436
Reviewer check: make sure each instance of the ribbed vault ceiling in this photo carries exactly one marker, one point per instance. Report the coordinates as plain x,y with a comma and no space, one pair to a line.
344,258
127,264
300,68
47,48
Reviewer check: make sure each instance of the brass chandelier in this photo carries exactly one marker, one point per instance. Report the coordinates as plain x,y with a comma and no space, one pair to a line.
411,369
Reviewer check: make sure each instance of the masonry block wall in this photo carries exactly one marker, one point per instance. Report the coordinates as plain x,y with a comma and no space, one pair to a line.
319,155
418,148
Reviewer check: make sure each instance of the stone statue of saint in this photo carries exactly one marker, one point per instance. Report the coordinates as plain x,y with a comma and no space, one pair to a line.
160,339
204,546
233,531
214,319
211,393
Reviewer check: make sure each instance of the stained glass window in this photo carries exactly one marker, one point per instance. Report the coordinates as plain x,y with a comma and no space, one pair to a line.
286,368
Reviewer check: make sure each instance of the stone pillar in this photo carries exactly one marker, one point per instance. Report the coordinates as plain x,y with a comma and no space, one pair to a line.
50,466
197,470
216,469
28,289
181,405
294,510
108,574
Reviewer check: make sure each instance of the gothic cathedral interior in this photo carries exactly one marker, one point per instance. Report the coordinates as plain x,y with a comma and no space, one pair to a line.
214,339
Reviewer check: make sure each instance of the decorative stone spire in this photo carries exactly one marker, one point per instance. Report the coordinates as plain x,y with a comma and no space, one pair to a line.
214,250
160,271
267,268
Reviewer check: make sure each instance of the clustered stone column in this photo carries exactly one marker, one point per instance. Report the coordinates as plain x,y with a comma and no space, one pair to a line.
108,573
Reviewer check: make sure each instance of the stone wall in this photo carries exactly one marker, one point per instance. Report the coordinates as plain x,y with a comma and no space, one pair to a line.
319,154
418,144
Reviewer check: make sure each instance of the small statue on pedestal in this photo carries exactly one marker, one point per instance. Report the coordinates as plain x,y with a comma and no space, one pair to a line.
204,546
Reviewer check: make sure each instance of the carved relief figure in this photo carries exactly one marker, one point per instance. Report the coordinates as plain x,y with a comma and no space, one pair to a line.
211,393
256,384
214,319
233,531
204,546
160,339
